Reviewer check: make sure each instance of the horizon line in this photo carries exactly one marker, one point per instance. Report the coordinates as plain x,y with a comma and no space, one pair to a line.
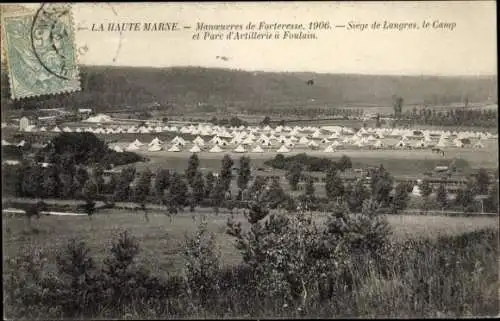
479,75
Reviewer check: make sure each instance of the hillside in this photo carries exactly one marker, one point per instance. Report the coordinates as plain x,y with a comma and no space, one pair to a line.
185,88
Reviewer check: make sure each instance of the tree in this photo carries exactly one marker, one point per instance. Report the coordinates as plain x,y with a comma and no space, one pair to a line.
333,184
377,121
273,194
177,195
309,189
492,201
482,182
122,191
66,185
192,168
209,183
401,197
97,176
32,184
34,211
81,176
142,190
244,173
294,175
226,172
218,194
465,197
357,196
425,188
442,196
381,184
51,183
198,188
344,163
89,193
397,105
257,187
162,181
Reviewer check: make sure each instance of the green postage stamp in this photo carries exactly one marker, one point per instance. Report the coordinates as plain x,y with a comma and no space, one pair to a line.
39,48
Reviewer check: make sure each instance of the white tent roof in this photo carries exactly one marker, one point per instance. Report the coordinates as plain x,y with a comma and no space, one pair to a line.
329,149
303,140
312,143
21,143
67,129
118,149
154,148
401,143
283,149
336,143
5,143
215,149
137,142
257,149
56,129
378,143
132,146
155,141
43,129
174,148
195,149
441,143
240,149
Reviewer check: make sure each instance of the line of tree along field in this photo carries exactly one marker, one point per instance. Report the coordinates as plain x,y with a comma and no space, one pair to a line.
291,267
176,191
453,117
184,89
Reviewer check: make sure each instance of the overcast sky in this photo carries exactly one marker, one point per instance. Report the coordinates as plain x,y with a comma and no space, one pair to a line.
470,49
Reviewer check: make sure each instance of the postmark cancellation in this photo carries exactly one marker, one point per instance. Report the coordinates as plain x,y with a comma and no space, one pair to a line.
40,52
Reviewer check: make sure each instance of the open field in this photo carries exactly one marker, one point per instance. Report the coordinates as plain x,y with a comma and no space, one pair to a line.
398,162
161,238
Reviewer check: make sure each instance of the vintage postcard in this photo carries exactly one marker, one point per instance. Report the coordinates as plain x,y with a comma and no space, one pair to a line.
250,160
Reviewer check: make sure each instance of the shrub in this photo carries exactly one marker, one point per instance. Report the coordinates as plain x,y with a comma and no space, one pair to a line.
202,266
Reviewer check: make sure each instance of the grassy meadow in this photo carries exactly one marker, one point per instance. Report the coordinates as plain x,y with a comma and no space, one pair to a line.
162,237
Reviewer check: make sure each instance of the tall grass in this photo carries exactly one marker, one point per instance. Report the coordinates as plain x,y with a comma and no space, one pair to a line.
446,277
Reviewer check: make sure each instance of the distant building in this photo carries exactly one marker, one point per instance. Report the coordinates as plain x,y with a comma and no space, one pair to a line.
24,123
84,110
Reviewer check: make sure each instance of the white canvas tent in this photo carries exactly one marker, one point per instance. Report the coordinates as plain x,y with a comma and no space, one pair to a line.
56,130
240,149
137,142
155,141
195,149
378,144
478,145
312,143
118,149
155,148
303,140
5,143
132,147
329,149
174,148
257,149
215,149
400,144
283,149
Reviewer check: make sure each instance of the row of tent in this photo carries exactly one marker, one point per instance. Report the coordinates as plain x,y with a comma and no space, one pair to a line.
243,132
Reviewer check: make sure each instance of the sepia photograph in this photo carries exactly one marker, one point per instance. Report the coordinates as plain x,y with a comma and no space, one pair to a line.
249,160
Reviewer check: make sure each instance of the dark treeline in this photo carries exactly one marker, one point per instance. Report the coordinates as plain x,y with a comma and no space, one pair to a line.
453,117
311,112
